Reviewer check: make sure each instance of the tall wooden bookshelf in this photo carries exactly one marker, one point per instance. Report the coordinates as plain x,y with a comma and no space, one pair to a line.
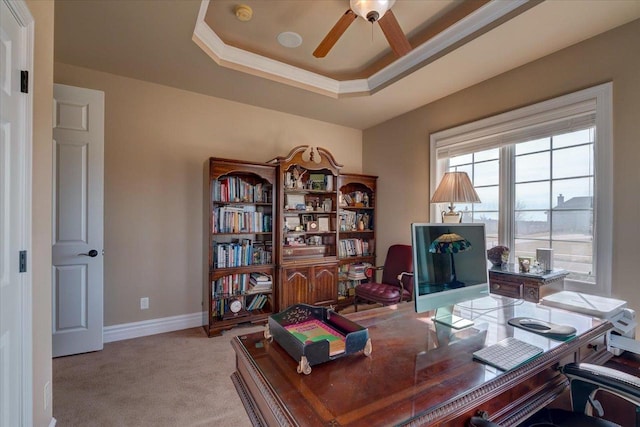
307,232
356,228
294,222
240,219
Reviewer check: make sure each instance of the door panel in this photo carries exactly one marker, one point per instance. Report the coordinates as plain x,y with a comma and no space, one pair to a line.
324,290
295,287
72,313
77,273
71,192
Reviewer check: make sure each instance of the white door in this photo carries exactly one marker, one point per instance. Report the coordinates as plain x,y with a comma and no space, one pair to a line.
78,189
16,31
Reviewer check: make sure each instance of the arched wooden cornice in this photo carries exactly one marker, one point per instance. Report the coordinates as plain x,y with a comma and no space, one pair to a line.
319,158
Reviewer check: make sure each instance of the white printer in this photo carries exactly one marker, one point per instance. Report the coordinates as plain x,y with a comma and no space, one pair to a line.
622,336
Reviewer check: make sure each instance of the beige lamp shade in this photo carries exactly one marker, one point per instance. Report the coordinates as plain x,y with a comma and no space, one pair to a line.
455,187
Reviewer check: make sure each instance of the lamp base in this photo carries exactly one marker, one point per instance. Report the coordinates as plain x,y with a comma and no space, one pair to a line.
451,217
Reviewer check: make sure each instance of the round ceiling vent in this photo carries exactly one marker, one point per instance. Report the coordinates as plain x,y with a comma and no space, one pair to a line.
289,39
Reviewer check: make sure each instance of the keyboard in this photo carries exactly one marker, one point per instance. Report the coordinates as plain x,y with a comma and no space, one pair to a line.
508,353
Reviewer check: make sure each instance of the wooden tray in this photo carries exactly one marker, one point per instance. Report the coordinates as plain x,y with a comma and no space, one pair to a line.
314,335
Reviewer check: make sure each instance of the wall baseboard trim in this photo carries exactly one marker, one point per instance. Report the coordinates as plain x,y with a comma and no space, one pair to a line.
127,331
53,422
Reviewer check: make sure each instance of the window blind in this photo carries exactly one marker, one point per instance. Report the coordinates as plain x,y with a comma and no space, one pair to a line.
545,124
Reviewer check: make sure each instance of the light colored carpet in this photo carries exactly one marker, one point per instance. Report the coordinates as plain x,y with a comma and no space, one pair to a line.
179,378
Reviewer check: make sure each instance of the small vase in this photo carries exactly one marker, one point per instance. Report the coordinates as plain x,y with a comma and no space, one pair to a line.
498,255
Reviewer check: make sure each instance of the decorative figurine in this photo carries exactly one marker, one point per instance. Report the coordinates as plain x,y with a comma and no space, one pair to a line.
498,255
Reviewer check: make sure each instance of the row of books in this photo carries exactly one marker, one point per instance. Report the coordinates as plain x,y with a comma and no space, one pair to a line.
353,247
233,284
238,254
236,189
350,276
352,220
257,302
346,288
252,302
241,284
241,219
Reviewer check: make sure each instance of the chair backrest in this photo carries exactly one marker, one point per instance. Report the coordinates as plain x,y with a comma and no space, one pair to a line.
399,259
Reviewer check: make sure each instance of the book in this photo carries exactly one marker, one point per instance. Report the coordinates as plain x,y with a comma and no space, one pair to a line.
314,330
261,277
259,289
260,282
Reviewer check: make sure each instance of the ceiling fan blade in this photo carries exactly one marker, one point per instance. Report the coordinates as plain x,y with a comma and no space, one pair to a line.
392,31
334,34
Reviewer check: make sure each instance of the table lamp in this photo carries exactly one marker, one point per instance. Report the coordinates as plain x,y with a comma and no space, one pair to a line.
450,243
455,187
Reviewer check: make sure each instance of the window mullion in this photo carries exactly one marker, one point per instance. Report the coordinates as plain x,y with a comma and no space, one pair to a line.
506,226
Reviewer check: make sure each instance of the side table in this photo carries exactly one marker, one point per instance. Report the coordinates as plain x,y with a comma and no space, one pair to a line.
510,282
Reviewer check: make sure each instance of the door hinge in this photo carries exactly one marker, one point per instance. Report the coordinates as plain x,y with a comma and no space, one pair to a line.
23,261
24,81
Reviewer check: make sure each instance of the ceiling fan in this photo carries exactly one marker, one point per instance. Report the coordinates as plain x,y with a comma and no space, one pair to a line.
372,11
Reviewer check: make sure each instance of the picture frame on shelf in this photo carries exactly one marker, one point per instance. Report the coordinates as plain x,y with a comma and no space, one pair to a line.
305,219
323,224
295,200
317,181
292,223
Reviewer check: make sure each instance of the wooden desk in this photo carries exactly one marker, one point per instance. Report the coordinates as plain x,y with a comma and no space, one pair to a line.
419,373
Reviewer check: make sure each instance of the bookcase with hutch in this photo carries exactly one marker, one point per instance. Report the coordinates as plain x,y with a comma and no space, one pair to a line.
289,231
240,269
307,227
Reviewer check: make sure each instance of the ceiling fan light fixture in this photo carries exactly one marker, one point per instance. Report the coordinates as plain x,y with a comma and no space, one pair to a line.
371,10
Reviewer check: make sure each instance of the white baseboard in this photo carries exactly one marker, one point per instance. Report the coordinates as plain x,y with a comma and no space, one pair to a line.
126,331
53,422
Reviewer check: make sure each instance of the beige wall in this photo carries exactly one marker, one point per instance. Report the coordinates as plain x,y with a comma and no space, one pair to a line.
42,13
156,141
612,56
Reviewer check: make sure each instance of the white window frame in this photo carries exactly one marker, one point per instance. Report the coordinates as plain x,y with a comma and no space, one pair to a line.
528,121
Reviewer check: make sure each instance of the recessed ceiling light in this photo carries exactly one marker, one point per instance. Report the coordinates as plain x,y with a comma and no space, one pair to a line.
289,39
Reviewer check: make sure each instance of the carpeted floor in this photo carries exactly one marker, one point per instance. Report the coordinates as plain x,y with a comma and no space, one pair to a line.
178,378
174,379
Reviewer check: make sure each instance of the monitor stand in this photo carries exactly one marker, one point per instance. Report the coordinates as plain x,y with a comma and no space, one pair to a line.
445,316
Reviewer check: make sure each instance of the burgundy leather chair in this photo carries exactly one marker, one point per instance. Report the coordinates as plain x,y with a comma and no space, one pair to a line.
396,284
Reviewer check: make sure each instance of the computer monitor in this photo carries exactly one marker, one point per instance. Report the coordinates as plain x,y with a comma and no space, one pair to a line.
449,267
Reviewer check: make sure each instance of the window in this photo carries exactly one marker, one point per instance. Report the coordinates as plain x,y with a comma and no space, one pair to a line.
543,174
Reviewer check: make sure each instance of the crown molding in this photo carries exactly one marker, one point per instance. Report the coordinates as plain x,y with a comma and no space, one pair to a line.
258,65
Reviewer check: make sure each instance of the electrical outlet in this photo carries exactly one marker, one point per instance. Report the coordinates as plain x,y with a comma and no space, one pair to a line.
47,395
144,303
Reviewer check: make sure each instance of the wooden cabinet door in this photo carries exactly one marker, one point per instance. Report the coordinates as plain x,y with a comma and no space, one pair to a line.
294,287
324,285
315,285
